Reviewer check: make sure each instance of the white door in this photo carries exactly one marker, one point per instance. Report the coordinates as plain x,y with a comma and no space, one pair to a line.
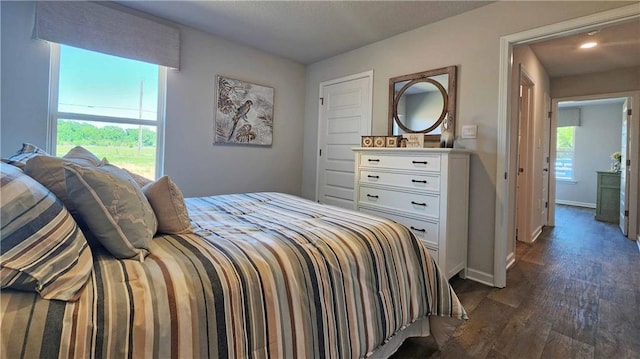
624,170
544,214
345,116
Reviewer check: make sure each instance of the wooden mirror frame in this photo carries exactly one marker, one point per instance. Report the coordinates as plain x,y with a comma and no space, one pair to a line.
449,97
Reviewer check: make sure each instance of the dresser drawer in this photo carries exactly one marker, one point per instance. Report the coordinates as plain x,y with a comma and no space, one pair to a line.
420,204
426,231
413,181
424,163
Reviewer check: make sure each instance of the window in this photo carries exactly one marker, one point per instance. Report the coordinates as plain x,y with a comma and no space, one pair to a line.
110,105
565,150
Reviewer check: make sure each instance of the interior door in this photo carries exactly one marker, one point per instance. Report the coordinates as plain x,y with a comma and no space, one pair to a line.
624,169
345,116
544,213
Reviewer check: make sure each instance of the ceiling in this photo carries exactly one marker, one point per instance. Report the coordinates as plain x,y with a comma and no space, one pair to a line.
305,31
310,31
618,47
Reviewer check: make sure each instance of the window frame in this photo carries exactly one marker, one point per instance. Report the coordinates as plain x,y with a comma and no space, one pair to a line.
54,115
571,179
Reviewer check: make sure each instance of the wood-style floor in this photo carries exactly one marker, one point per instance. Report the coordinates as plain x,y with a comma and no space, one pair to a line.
574,293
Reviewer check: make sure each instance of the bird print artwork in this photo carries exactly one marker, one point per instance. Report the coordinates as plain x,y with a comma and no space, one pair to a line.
244,113
241,114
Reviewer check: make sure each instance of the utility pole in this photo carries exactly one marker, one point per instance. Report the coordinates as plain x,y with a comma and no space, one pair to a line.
140,117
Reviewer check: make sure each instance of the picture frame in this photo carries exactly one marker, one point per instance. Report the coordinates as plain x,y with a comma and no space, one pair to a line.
244,112
367,141
393,141
379,141
414,140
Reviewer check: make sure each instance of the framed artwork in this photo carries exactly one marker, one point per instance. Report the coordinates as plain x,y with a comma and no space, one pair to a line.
244,112
414,139
367,141
393,141
379,141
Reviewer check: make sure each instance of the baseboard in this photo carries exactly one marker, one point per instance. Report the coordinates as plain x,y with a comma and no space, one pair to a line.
480,277
536,234
577,204
511,259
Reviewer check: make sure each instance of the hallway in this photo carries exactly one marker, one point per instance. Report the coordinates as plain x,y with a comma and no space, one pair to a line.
574,293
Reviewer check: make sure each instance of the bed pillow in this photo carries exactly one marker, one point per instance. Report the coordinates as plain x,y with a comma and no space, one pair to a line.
20,158
167,202
49,171
41,247
140,180
113,208
83,156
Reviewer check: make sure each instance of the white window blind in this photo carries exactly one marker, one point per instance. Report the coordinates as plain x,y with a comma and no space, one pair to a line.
96,27
568,117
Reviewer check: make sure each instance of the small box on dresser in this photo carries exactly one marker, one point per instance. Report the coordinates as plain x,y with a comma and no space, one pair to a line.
425,189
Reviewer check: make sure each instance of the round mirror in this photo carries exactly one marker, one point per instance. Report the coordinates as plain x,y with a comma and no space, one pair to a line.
424,102
420,105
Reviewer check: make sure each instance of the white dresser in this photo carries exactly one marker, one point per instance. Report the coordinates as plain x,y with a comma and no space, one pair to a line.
426,189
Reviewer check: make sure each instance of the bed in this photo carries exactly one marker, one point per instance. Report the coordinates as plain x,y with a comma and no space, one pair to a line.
259,275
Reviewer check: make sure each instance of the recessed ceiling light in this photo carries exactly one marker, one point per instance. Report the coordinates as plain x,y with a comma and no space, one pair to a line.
588,45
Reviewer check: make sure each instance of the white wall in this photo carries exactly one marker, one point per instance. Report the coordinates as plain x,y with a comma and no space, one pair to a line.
600,124
471,41
194,163
524,57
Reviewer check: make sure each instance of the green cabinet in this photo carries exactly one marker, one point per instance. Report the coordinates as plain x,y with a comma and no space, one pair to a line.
608,197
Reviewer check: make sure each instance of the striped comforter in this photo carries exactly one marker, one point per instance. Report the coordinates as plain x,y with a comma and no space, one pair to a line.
264,275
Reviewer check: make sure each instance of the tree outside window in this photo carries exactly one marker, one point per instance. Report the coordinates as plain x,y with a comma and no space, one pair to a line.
565,151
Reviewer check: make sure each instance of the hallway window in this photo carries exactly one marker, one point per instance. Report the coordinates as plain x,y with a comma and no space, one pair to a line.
565,151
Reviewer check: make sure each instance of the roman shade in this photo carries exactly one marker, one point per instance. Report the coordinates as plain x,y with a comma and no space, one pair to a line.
568,117
97,27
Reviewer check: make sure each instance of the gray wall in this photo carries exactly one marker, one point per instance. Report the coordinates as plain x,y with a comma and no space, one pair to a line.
620,80
472,42
600,124
197,166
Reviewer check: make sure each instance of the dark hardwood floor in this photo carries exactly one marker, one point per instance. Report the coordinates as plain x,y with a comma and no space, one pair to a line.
574,293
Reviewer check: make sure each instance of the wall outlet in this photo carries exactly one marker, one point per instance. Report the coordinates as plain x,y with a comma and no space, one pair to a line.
469,131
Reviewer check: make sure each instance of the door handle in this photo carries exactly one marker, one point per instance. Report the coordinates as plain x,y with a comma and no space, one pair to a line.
520,170
545,169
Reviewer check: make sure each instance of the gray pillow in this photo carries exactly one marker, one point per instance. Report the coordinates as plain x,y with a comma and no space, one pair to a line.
113,208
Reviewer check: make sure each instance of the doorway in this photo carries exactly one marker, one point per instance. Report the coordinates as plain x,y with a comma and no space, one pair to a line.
523,159
505,222
588,175
344,116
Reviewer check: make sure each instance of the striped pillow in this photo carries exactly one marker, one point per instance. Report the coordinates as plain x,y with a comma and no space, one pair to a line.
20,158
41,247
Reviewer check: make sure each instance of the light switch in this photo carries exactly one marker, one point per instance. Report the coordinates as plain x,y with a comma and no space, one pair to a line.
469,131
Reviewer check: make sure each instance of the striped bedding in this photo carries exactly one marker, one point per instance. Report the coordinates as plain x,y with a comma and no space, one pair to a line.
264,275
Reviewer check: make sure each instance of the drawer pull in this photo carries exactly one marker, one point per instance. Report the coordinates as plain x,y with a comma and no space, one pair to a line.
418,181
373,160
419,162
418,203
372,196
418,229
372,176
